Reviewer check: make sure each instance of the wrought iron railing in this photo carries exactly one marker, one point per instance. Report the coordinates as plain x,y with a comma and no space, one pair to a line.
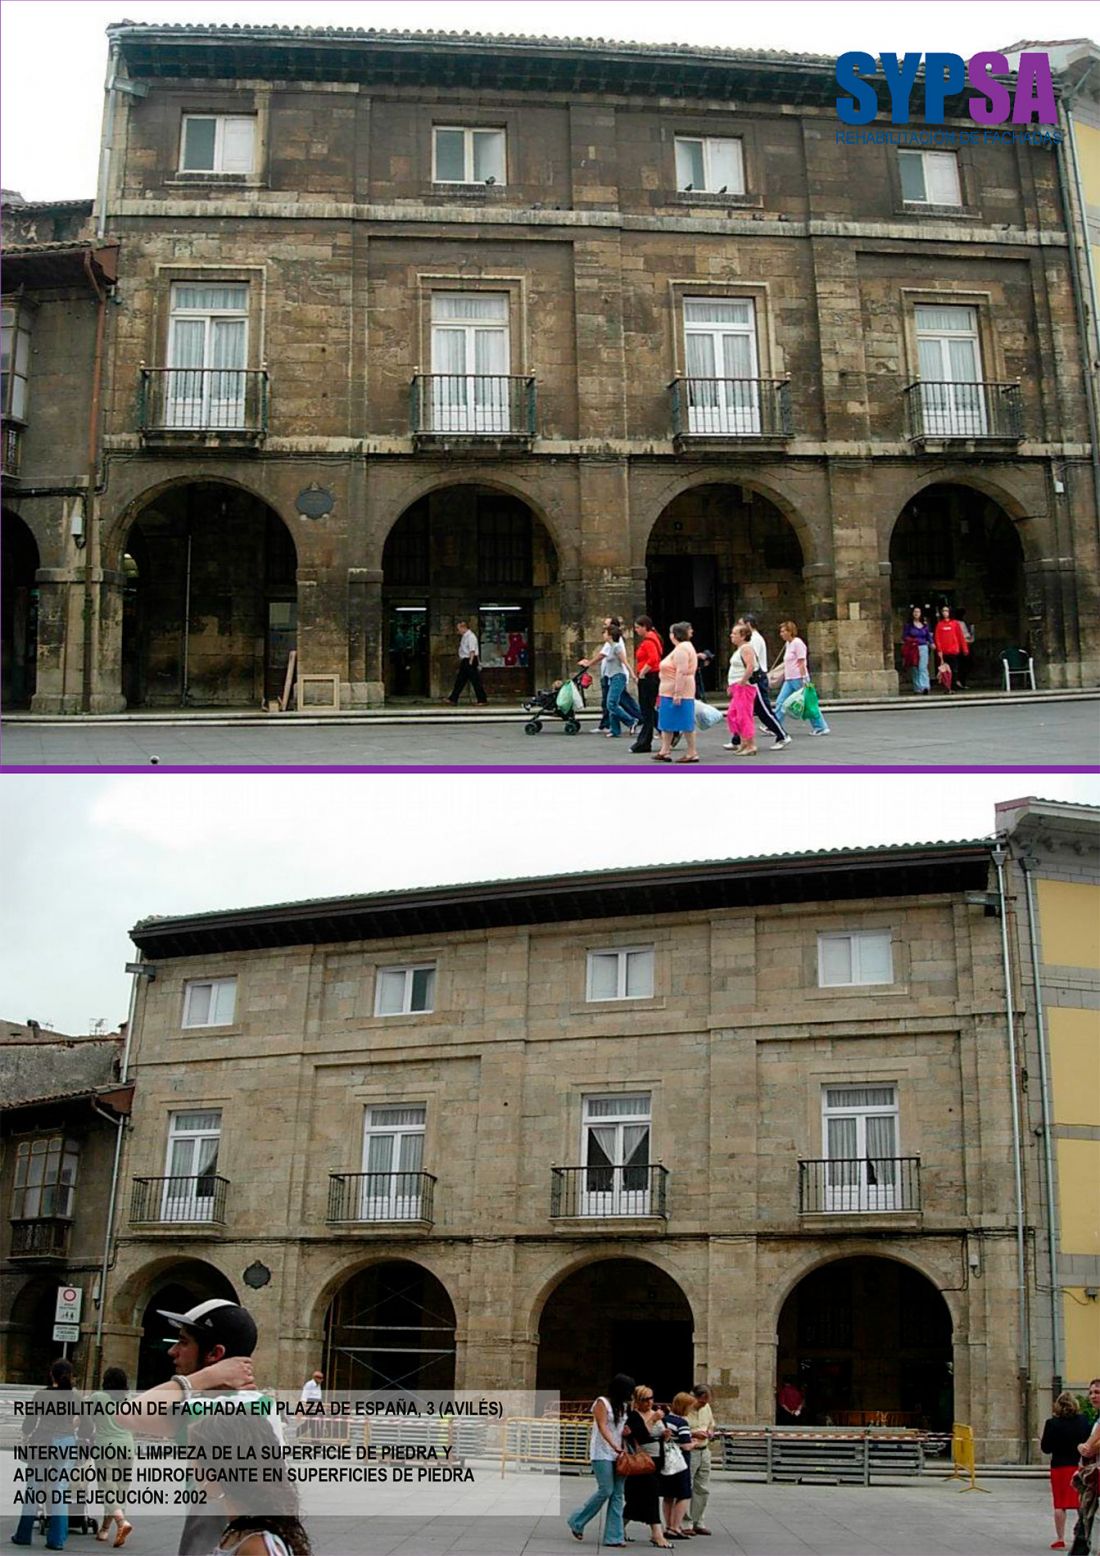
859,1185
203,399
44,1238
473,405
380,1196
180,1199
12,448
978,410
609,1191
731,407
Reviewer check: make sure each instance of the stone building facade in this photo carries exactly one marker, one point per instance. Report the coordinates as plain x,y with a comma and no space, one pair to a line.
741,1120
417,327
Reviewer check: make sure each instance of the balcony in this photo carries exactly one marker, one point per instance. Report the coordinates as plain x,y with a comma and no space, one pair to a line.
730,410
609,1192
953,414
859,1186
12,449
43,1239
208,407
195,1203
355,1198
473,412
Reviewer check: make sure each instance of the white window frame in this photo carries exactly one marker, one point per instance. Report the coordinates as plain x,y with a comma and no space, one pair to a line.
857,1182
53,1160
209,397
183,1198
16,353
616,1189
710,144
470,400
622,955
857,938
722,404
469,133
221,122
953,405
393,1193
407,1007
933,166
221,989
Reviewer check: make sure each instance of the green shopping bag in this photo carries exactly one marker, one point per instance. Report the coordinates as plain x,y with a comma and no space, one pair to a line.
796,704
810,704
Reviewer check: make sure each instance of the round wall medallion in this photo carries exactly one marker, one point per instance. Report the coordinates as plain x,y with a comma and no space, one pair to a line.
315,502
256,1275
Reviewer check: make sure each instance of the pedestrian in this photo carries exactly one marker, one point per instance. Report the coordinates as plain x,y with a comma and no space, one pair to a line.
739,714
1063,1434
612,661
1087,1480
791,1403
645,1432
676,708
113,1452
700,1417
649,650
676,1473
469,665
796,674
311,1388
211,1355
951,647
257,1518
605,1443
763,710
49,1434
916,646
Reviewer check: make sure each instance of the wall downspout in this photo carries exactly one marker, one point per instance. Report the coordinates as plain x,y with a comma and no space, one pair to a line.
999,855
106,143
1081,302
1048,1143
91,531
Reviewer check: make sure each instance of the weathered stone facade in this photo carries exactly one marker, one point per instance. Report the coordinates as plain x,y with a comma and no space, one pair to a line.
732,1054
824,503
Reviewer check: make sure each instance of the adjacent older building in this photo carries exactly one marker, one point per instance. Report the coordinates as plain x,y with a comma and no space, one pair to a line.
740,1120
417,327
62,1106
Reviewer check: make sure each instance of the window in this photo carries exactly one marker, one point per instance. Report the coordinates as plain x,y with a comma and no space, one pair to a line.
393,1156
930,177
15,360
467,156
708,164
621,975
860,1139
210,1003
723,388
45,1176
864,957
949,355
207,345
217,143
470,387
615,1154
403,991
191,1184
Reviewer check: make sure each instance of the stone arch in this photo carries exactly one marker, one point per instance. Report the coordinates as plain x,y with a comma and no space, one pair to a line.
390,1323
115,531
865,1335
175,1285
29,1345
810,543
608,1313
442,480
21,559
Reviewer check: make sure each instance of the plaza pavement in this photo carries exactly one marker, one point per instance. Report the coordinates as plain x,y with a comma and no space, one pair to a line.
1045,731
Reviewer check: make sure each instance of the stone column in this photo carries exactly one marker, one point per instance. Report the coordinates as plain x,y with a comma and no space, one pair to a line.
864,656
366,629
59,647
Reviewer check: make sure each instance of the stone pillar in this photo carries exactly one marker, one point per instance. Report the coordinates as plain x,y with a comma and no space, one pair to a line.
864,654
820,630
608,584
366,629
106,688
59,649
1051,625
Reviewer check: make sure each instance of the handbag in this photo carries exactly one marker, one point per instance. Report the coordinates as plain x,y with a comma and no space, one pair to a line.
674,1459
633,1461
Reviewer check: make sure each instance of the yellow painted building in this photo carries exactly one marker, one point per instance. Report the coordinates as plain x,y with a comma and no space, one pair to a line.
1054,893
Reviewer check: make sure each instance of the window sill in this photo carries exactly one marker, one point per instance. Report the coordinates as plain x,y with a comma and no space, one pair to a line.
217,180
843,991
230,1029
470,191
711,197
924,208
611,1007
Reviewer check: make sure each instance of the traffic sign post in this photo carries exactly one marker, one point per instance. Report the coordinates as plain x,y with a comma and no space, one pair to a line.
70,1299
68,1334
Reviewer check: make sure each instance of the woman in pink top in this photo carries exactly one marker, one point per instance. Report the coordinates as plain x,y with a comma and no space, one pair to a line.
676,708
796,672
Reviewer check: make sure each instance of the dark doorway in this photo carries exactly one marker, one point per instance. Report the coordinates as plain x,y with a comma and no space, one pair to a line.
619,1315
868,1342
30,1343
180,1289
392,1326
210,601
19,610
408,669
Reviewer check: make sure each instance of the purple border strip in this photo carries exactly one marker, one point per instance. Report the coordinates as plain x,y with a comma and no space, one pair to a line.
377,772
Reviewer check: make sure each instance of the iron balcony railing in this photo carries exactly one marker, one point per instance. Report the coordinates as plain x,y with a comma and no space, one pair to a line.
380,1196
859,1185
175,1200
609,1191
45,1238
731,407
203,399
12,448
473,405
977,410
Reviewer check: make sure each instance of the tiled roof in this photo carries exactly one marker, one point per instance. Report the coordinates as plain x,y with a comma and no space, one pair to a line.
48,1070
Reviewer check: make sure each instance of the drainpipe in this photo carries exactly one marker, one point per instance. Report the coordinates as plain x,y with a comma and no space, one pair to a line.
1081,302
999,855
1048,1143
91,548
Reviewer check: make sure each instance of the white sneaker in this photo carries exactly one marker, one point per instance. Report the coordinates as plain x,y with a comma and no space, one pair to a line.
732,745
780,742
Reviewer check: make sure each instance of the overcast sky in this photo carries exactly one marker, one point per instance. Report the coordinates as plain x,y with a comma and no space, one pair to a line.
86,857
54,51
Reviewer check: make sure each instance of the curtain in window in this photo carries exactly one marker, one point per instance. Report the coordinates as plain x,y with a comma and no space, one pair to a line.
207,298
226,399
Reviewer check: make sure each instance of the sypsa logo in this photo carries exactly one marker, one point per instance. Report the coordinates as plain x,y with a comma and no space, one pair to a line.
945,75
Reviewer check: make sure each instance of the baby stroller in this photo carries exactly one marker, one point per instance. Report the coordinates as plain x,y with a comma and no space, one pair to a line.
560,702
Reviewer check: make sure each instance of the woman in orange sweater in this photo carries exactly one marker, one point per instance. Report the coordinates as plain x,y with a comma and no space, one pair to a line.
676,709
951,646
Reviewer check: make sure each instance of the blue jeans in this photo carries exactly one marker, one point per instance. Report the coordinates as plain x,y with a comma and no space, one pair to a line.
786,692
610,1488
919,672
57,1523
620,704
